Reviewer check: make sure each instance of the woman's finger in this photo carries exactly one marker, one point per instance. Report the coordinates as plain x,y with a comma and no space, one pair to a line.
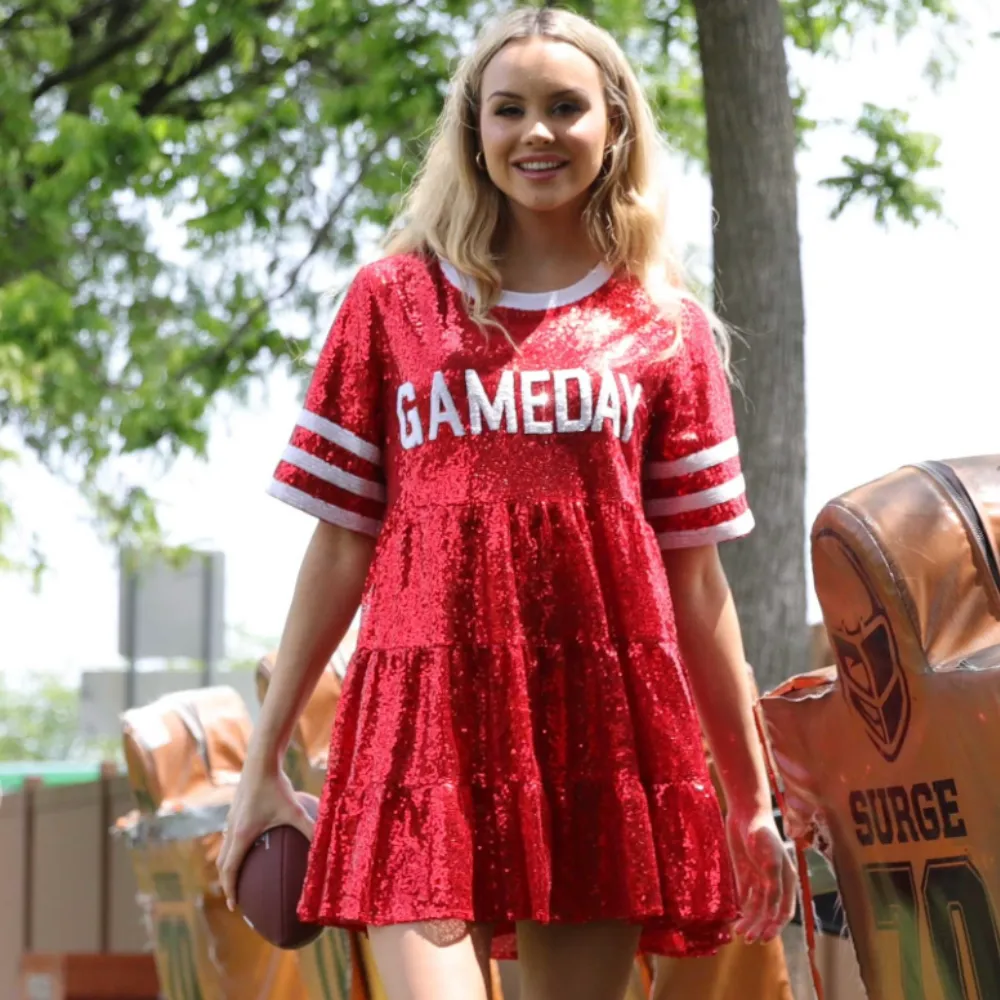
773,863
785,896
747,923
788,899
224,850
228,872
303,822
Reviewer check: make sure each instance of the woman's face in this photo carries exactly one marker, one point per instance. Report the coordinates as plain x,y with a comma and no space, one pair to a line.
543,125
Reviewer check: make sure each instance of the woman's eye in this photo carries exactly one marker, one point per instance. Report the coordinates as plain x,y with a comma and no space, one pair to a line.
567,108
508,110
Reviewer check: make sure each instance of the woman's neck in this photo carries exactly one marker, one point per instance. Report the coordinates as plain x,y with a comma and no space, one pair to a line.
543,252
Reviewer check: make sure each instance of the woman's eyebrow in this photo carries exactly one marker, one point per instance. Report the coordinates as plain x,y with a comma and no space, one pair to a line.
565,92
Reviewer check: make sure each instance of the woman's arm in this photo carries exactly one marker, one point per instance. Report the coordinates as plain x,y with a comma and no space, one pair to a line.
712,648
722,684
326,597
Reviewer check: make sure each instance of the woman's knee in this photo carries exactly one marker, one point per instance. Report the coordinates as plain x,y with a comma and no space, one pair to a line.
433,960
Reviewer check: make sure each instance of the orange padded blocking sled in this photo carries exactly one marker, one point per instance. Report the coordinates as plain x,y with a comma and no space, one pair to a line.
184,745
309,747
185,753
889,760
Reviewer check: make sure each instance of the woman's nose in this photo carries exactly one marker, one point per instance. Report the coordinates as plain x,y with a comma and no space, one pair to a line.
538,131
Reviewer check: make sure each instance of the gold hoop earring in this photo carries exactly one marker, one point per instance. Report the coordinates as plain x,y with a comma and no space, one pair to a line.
480,162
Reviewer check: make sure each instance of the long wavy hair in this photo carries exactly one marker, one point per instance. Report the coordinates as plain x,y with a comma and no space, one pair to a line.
455,211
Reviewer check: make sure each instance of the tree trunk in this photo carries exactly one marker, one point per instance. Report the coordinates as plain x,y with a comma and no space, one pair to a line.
751,144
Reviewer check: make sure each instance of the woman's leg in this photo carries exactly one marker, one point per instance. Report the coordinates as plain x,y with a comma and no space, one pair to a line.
576,961
436,960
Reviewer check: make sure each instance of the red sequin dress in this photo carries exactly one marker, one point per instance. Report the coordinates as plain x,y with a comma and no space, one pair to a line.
516,738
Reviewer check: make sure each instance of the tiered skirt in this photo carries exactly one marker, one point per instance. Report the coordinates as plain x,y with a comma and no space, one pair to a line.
516,738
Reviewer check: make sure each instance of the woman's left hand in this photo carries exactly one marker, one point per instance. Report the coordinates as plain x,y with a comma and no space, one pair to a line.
764,874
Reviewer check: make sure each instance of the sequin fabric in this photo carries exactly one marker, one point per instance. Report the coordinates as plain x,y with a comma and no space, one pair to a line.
516,738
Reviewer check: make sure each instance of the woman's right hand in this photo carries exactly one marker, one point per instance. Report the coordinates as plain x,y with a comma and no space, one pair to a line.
264,799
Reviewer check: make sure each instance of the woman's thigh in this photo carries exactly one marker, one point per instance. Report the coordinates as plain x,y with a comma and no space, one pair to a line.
576,961
435,960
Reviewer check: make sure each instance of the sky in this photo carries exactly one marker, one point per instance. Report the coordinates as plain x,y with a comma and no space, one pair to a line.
902,361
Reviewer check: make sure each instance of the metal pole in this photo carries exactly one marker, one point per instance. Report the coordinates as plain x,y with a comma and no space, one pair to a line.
132,600
207,619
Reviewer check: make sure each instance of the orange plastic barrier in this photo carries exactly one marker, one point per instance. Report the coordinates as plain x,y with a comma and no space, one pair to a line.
88,977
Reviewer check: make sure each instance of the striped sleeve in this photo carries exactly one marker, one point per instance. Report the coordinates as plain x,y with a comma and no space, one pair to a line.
332,467
693,484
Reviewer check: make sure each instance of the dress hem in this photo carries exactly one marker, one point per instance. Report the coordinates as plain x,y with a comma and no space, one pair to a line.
659,936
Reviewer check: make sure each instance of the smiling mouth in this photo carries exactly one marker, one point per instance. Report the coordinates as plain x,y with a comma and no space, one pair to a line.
541,168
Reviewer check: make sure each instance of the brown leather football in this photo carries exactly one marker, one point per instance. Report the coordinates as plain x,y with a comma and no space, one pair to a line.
270,882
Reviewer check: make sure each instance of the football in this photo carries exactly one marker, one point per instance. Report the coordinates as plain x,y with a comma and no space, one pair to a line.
270,882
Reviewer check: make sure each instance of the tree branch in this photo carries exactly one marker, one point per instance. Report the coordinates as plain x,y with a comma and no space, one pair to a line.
320,237
113,48
121,10
154,96
16,15
88,14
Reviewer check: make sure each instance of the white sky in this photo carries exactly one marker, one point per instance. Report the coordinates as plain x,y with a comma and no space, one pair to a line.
903,356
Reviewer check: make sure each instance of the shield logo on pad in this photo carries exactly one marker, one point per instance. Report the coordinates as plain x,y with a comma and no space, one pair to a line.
874,683
860,631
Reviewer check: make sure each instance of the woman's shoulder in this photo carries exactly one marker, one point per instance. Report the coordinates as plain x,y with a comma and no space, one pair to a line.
395,269
662,302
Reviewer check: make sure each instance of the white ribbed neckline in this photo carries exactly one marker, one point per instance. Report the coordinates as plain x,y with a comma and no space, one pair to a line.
587,285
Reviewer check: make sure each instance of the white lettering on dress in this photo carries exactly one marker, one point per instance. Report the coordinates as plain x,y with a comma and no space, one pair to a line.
531,401
443,409
480,405
564,423
609,405
548,404
631,405
410,432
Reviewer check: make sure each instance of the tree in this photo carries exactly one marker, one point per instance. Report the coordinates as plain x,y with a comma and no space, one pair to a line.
41,721
276,132
748,107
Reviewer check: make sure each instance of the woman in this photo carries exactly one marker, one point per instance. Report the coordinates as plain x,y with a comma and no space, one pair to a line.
520,446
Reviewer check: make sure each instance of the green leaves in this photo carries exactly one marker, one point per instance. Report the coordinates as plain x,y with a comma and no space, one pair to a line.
888,180
40,721
169,172
817,25
172,172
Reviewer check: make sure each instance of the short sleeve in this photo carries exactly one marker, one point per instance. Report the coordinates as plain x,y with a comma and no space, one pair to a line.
332,467
693,484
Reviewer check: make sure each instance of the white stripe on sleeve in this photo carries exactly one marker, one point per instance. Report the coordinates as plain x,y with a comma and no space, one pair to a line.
324,511
711,497
341,436
332,474
728,530
695,462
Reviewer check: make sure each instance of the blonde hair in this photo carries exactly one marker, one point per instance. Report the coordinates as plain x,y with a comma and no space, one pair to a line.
454,210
